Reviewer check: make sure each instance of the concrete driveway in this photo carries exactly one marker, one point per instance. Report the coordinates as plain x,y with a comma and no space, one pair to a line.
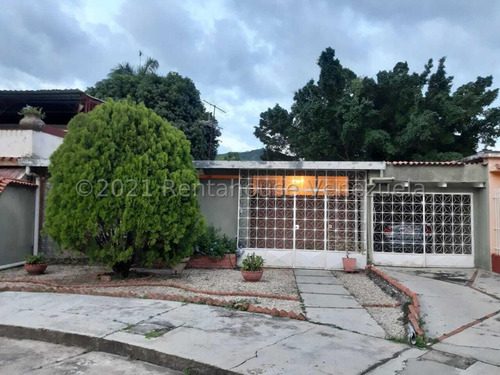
461,308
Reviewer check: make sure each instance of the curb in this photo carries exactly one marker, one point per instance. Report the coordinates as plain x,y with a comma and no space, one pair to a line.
414,308
113,347
164,297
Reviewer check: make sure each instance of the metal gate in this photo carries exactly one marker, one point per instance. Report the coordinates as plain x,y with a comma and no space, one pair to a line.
422,229
302,218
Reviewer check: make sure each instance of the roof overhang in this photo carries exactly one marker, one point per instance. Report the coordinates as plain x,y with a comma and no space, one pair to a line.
305,165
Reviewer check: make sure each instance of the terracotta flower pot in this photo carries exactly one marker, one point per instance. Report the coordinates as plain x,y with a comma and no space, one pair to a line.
35,269
349,264
179,267
252,275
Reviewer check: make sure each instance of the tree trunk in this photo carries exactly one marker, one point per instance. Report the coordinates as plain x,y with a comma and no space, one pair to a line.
122,268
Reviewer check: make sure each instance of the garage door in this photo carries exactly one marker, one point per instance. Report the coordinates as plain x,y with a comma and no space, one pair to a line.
422,229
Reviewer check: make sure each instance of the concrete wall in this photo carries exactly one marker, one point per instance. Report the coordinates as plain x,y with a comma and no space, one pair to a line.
24,142
17,218
16,142
493,185
218,200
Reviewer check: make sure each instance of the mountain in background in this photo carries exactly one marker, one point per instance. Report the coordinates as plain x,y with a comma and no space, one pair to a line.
244,156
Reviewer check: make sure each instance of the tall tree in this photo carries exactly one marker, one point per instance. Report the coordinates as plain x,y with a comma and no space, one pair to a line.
398,115
173,97
116,188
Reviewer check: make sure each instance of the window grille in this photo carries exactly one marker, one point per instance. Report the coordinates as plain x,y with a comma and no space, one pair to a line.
437,223
302,210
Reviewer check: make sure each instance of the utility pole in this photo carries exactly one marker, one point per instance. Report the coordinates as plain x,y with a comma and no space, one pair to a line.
212,127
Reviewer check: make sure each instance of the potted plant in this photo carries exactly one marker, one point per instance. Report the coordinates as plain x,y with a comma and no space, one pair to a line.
35,264
32,118
252,267
350,263
179,267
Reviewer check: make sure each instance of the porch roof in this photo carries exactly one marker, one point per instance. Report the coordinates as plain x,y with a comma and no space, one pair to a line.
305,165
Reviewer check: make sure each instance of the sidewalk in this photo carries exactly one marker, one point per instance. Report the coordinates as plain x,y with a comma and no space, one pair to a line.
328,302
231,340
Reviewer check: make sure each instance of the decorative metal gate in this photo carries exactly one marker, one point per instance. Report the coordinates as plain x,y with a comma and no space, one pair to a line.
302,218
423,229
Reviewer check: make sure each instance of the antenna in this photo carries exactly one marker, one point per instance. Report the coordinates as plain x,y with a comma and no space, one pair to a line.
212,127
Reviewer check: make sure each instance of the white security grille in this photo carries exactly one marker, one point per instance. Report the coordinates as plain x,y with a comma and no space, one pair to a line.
302,210
413,223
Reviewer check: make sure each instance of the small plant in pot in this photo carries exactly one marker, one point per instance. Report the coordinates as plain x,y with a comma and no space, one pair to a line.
350,263
35,264
252,267
32,118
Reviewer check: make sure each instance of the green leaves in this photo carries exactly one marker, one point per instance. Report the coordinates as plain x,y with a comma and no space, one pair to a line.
126,153
173,97
399,116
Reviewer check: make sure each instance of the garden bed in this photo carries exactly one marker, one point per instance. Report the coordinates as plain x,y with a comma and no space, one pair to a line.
205,262
384,308
277,289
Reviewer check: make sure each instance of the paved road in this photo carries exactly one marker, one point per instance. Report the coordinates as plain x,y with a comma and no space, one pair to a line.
238,341
42,358
251,343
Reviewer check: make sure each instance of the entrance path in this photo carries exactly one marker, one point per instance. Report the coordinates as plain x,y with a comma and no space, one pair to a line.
328,302
188,335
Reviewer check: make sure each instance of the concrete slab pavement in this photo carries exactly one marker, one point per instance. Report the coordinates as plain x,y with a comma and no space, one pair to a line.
228,339
42,358
444,306
488,282
328,302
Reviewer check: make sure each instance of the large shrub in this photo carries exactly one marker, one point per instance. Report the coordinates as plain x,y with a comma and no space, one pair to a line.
117,190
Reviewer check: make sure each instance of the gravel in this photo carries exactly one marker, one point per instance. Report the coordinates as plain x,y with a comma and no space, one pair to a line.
367,292
274,282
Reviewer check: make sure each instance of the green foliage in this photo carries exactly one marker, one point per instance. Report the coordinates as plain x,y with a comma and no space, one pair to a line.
156,333
215,245
245,155
173,97
123,144
235,156
35,259
253,262
397,116
29,110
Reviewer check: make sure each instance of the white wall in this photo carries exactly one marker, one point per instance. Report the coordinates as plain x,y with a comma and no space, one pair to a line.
45,144
28,143
16,143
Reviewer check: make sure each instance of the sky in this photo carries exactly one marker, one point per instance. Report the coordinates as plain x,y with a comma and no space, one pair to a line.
243,55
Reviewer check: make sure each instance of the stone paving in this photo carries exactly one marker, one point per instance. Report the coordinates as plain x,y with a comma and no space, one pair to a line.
328,302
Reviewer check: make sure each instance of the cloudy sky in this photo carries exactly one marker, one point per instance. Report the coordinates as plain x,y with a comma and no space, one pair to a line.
243,55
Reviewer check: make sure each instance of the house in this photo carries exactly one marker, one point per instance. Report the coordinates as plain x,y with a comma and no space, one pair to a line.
24,158
307,214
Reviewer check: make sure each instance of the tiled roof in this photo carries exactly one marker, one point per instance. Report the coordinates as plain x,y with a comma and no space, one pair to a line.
6,181
14,173
417,163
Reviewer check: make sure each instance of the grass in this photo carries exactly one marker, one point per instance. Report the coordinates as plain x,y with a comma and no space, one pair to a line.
156,333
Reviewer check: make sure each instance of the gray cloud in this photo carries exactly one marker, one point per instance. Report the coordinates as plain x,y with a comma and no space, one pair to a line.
246,55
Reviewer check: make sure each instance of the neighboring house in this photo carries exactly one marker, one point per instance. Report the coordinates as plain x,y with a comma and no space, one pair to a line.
307,214
24,158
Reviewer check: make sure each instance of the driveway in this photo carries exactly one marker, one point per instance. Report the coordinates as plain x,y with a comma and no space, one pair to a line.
461,308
